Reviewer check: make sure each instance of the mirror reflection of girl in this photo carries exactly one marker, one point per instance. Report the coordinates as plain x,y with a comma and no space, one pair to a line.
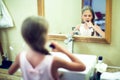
36,63
87,27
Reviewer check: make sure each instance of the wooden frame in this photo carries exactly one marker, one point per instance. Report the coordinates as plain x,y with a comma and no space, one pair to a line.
40,6
107,38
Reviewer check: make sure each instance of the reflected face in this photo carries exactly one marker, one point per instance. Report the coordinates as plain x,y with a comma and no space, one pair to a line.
87,16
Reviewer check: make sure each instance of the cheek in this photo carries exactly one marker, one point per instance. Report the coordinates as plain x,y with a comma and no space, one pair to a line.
90,18
83,17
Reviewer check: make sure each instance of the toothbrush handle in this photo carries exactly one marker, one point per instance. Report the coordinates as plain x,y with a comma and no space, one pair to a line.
52,46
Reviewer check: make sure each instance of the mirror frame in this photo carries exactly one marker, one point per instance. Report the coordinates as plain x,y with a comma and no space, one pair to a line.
107,39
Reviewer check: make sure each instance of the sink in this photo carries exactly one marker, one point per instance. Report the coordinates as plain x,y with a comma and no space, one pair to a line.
88,60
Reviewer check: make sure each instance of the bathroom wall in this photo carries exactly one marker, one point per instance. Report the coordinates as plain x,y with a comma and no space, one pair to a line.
23,8
11,37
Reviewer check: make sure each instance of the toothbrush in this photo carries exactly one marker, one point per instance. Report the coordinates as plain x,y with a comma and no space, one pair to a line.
52,46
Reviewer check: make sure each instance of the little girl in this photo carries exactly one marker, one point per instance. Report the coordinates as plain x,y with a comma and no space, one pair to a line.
37,63
87,27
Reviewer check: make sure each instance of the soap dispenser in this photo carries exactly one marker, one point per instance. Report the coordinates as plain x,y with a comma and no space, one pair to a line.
100,67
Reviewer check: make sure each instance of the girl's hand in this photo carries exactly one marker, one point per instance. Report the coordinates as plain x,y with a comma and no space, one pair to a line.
89,24
57,47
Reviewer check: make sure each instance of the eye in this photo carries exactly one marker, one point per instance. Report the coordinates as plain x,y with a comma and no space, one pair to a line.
89,15
85,15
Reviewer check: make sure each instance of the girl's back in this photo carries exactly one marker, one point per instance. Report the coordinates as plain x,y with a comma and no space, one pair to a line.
36,68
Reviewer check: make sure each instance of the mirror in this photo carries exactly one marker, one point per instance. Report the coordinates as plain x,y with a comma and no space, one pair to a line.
62,35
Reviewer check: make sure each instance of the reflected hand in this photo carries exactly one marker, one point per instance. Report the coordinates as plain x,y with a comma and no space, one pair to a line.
89,24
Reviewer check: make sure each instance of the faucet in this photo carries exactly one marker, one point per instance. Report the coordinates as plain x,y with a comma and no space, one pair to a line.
69,42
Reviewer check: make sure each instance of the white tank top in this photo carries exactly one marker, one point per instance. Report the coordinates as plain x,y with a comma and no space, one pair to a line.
85,32
40,72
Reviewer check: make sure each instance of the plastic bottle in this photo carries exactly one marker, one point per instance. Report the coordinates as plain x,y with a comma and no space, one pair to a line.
98,67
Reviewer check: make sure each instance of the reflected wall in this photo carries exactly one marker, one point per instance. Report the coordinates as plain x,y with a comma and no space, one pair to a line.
62,15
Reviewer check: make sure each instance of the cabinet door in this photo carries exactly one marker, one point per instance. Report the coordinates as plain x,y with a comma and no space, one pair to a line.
1,49
9,77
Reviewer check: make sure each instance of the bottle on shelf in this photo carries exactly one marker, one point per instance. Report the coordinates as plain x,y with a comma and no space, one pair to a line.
100,67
